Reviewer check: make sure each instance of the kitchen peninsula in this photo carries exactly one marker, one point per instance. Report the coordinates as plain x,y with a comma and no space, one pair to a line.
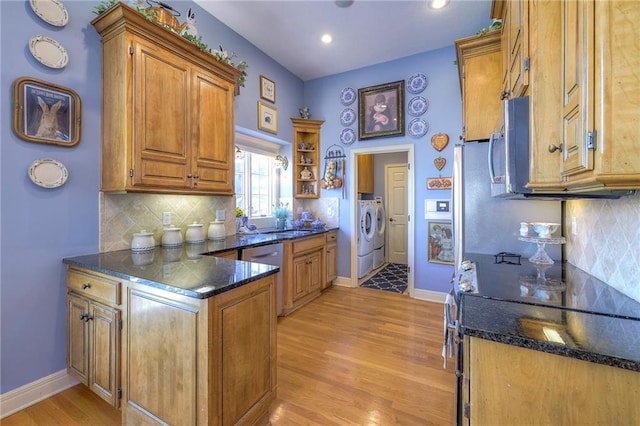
190,322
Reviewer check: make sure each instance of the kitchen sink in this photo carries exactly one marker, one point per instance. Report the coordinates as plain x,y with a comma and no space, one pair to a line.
292,232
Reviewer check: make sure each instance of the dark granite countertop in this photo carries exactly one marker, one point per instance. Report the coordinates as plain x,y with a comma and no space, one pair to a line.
574,314
192,269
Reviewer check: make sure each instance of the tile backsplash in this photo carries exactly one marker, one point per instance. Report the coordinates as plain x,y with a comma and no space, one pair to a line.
121,215
607,241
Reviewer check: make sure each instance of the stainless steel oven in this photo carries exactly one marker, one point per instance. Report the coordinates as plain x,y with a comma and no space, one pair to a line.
464,280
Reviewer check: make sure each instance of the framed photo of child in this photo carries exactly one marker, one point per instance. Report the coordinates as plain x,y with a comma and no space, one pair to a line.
46,112
440,243
381,111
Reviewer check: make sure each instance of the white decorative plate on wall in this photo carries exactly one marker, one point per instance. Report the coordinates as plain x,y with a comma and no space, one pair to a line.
347,117
418,106
48,52
48,173
347,136
418,127
347,96
417,83
51,11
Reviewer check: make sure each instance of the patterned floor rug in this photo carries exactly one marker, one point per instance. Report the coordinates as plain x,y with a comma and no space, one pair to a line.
393,278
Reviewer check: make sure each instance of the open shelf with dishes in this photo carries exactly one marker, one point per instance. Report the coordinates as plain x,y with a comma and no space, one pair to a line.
306,157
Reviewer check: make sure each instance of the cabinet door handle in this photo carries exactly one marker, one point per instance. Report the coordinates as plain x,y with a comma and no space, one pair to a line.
88,318
196,177
553,148
504,95
189,176
86,286
83,316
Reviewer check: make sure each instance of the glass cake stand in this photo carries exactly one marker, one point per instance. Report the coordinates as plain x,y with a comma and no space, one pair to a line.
541,257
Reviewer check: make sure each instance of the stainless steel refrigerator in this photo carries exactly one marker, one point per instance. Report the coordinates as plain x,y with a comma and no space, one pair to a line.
487,225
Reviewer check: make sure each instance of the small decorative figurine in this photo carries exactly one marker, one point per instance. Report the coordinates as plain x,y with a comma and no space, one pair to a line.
305,112
305,174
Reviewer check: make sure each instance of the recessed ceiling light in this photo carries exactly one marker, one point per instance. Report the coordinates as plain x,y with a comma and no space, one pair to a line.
437,4
343,3
326,38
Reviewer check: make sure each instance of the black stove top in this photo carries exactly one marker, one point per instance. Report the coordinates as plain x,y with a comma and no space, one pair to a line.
506,277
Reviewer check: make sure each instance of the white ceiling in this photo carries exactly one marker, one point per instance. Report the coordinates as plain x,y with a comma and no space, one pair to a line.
366,33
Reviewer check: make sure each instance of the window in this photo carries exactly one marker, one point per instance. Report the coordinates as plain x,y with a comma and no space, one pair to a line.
256,179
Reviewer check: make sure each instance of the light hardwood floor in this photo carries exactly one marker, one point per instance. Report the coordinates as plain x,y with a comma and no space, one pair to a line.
351,357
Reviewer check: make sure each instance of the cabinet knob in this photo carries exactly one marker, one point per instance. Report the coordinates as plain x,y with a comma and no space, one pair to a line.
83,316
553,148
86,286
196,177
189,176
87,318
504,95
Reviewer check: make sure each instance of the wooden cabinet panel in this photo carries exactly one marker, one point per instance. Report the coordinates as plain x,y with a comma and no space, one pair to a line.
365,173
77,338
591,394
304,271
332,257
479,67
300,277
161,363
105,370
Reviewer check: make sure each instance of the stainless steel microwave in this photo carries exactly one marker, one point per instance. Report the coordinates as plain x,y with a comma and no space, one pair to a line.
509,151
509,159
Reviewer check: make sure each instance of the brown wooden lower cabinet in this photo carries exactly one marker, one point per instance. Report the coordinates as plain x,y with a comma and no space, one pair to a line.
93,332
199,361
510,385
304,271
183,361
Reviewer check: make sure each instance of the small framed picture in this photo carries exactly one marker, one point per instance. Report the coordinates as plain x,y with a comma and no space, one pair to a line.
440,241
45,112
267,118
381,111
267,89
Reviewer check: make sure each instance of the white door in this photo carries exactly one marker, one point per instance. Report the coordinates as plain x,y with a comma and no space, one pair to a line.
396,196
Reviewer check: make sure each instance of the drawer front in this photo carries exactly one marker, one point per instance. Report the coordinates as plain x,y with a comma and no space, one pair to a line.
94,287
331,236
308,244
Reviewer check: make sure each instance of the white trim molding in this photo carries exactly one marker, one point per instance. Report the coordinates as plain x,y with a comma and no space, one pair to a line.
27,395
429,295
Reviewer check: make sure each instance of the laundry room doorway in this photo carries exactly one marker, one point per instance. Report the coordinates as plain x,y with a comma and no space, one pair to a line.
393,185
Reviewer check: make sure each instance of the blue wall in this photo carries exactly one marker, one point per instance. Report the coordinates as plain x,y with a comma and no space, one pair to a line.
41,226
444,115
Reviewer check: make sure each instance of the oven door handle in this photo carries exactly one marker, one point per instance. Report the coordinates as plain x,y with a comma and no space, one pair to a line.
450,329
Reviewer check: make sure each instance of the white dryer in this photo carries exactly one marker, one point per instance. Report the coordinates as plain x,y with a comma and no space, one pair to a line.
381,228
366,236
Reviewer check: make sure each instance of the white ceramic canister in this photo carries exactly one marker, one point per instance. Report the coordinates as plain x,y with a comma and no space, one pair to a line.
195,233
216,230
142,241
171,237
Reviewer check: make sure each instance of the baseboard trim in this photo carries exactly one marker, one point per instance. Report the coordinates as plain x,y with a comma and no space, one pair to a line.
429,295
24,396
343,282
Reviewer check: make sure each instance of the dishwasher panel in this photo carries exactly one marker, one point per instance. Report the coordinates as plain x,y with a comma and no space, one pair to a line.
271,255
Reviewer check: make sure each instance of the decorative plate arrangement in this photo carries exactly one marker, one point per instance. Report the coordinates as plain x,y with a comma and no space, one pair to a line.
347,117
417,83
48,173
48,52
51,11
347,96
347,136
418,106
418,127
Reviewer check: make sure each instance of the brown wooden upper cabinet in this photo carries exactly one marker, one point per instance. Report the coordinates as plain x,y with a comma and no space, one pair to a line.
167,112
585,114
365,173
514,42
479,68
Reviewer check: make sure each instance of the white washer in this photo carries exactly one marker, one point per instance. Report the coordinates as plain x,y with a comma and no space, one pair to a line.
381,228
366,236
